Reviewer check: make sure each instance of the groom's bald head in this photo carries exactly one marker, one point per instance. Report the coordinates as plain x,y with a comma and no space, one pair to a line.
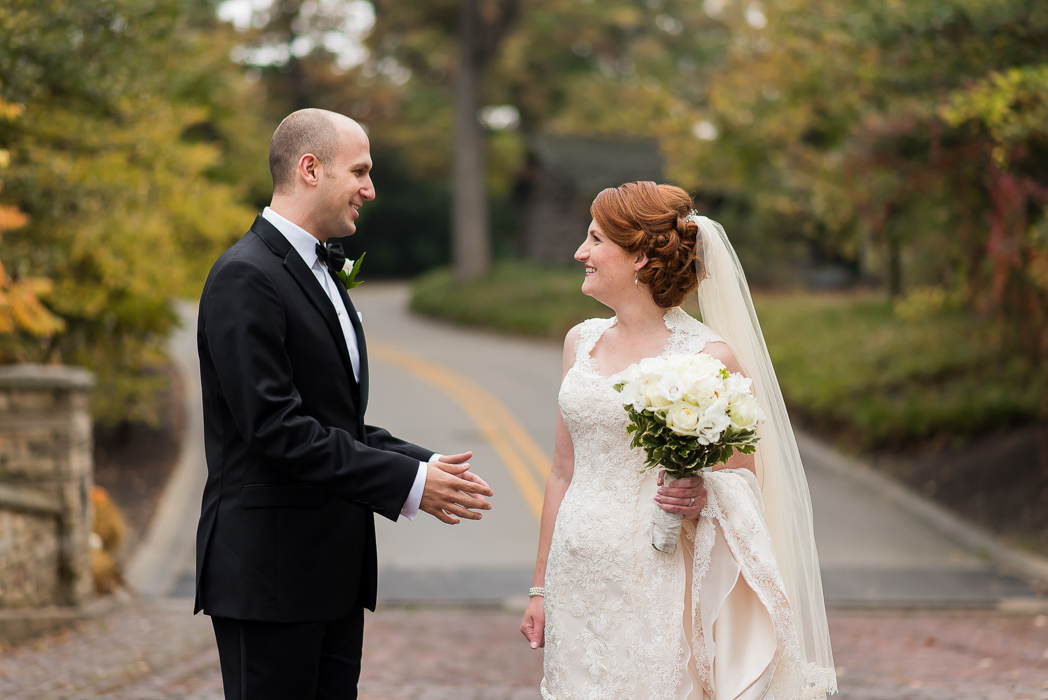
321,165
305,131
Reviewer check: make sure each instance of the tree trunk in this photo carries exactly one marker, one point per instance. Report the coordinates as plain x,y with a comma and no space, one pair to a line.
894,268
470,240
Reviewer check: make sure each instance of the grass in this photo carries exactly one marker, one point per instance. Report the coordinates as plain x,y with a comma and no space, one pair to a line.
848,365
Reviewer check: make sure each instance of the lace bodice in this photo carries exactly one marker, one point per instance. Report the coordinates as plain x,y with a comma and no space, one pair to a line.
591,418
606,469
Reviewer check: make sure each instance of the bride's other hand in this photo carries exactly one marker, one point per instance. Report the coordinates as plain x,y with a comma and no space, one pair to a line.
533,626
686,497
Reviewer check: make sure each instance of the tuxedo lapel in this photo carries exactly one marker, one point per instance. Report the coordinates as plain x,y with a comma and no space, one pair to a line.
294,264
358,328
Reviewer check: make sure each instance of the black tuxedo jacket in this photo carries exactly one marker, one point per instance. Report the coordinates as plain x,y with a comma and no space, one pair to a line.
287,532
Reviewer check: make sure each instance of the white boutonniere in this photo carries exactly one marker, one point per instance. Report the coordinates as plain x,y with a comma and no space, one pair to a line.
348,274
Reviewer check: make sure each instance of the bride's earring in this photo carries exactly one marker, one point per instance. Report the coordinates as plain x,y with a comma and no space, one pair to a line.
635,280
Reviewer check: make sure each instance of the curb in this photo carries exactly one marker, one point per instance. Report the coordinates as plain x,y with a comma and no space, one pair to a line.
17,626
972,537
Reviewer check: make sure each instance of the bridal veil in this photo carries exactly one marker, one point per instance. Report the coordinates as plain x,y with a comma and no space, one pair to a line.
726,307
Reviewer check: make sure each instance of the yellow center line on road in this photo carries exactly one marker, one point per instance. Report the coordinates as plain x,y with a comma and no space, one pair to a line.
499,427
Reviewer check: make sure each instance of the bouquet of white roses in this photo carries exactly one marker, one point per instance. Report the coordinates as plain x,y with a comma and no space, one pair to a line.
688,413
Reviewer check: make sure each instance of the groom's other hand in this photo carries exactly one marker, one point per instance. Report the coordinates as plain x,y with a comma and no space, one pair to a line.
453,492
463,458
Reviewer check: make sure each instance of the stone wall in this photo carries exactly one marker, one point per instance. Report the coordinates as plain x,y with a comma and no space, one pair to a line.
45,486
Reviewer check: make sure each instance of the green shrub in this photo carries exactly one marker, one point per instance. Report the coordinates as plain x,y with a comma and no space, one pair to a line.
514,298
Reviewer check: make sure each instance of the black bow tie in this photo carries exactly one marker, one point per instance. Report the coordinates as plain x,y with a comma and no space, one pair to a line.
332,255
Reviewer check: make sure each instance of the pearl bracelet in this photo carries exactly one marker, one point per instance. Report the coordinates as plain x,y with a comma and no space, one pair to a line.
536,590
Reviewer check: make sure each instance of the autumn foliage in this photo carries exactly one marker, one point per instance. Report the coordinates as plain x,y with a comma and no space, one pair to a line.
20,307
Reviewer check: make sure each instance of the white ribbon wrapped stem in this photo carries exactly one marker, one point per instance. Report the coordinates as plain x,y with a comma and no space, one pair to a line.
665,528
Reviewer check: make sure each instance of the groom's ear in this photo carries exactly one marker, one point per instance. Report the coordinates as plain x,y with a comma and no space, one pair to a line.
309,169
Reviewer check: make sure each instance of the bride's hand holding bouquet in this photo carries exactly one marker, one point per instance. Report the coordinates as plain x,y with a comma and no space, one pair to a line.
688,413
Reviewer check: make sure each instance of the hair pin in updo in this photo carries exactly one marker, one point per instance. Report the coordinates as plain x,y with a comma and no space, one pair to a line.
700,246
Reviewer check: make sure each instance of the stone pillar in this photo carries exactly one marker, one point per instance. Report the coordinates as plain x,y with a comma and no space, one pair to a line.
46,476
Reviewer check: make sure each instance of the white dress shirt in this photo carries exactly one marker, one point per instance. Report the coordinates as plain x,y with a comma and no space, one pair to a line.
305,244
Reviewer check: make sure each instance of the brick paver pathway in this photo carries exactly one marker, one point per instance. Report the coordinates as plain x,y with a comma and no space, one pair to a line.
157,650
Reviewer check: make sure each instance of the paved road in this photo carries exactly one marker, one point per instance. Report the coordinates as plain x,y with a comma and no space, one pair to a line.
164,563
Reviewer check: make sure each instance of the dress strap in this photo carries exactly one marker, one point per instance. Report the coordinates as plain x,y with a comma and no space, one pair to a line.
688,335
589,333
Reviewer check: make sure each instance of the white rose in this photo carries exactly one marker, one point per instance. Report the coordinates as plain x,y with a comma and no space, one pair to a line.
633,394
703,365
651,368
713,422
704,388
671,386
707,363
678,362
655,399
347,266
745,413
630,374
683,417
737,385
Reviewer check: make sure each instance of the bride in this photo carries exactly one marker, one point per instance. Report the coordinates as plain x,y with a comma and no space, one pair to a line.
737,610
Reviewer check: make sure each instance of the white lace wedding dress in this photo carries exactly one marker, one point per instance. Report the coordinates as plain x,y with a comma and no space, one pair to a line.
627,622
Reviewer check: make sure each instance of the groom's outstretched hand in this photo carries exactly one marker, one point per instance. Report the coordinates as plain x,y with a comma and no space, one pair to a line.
453,492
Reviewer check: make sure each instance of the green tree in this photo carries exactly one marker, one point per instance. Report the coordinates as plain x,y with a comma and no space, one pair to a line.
828,119
620,67
910,138
130,162
449,43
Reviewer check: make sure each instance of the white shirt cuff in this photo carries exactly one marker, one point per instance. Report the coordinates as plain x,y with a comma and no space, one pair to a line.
410,509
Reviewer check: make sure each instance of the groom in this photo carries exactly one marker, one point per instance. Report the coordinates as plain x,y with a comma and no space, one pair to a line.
286,559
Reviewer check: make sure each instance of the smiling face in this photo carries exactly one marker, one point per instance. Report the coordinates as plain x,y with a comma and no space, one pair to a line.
610,269
344,184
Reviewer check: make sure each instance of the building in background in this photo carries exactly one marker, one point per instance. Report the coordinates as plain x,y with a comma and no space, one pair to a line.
560,178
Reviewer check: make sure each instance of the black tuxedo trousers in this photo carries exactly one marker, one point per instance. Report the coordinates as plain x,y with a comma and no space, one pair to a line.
286,532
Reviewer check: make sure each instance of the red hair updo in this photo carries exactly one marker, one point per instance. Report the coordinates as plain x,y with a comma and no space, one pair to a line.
643,217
